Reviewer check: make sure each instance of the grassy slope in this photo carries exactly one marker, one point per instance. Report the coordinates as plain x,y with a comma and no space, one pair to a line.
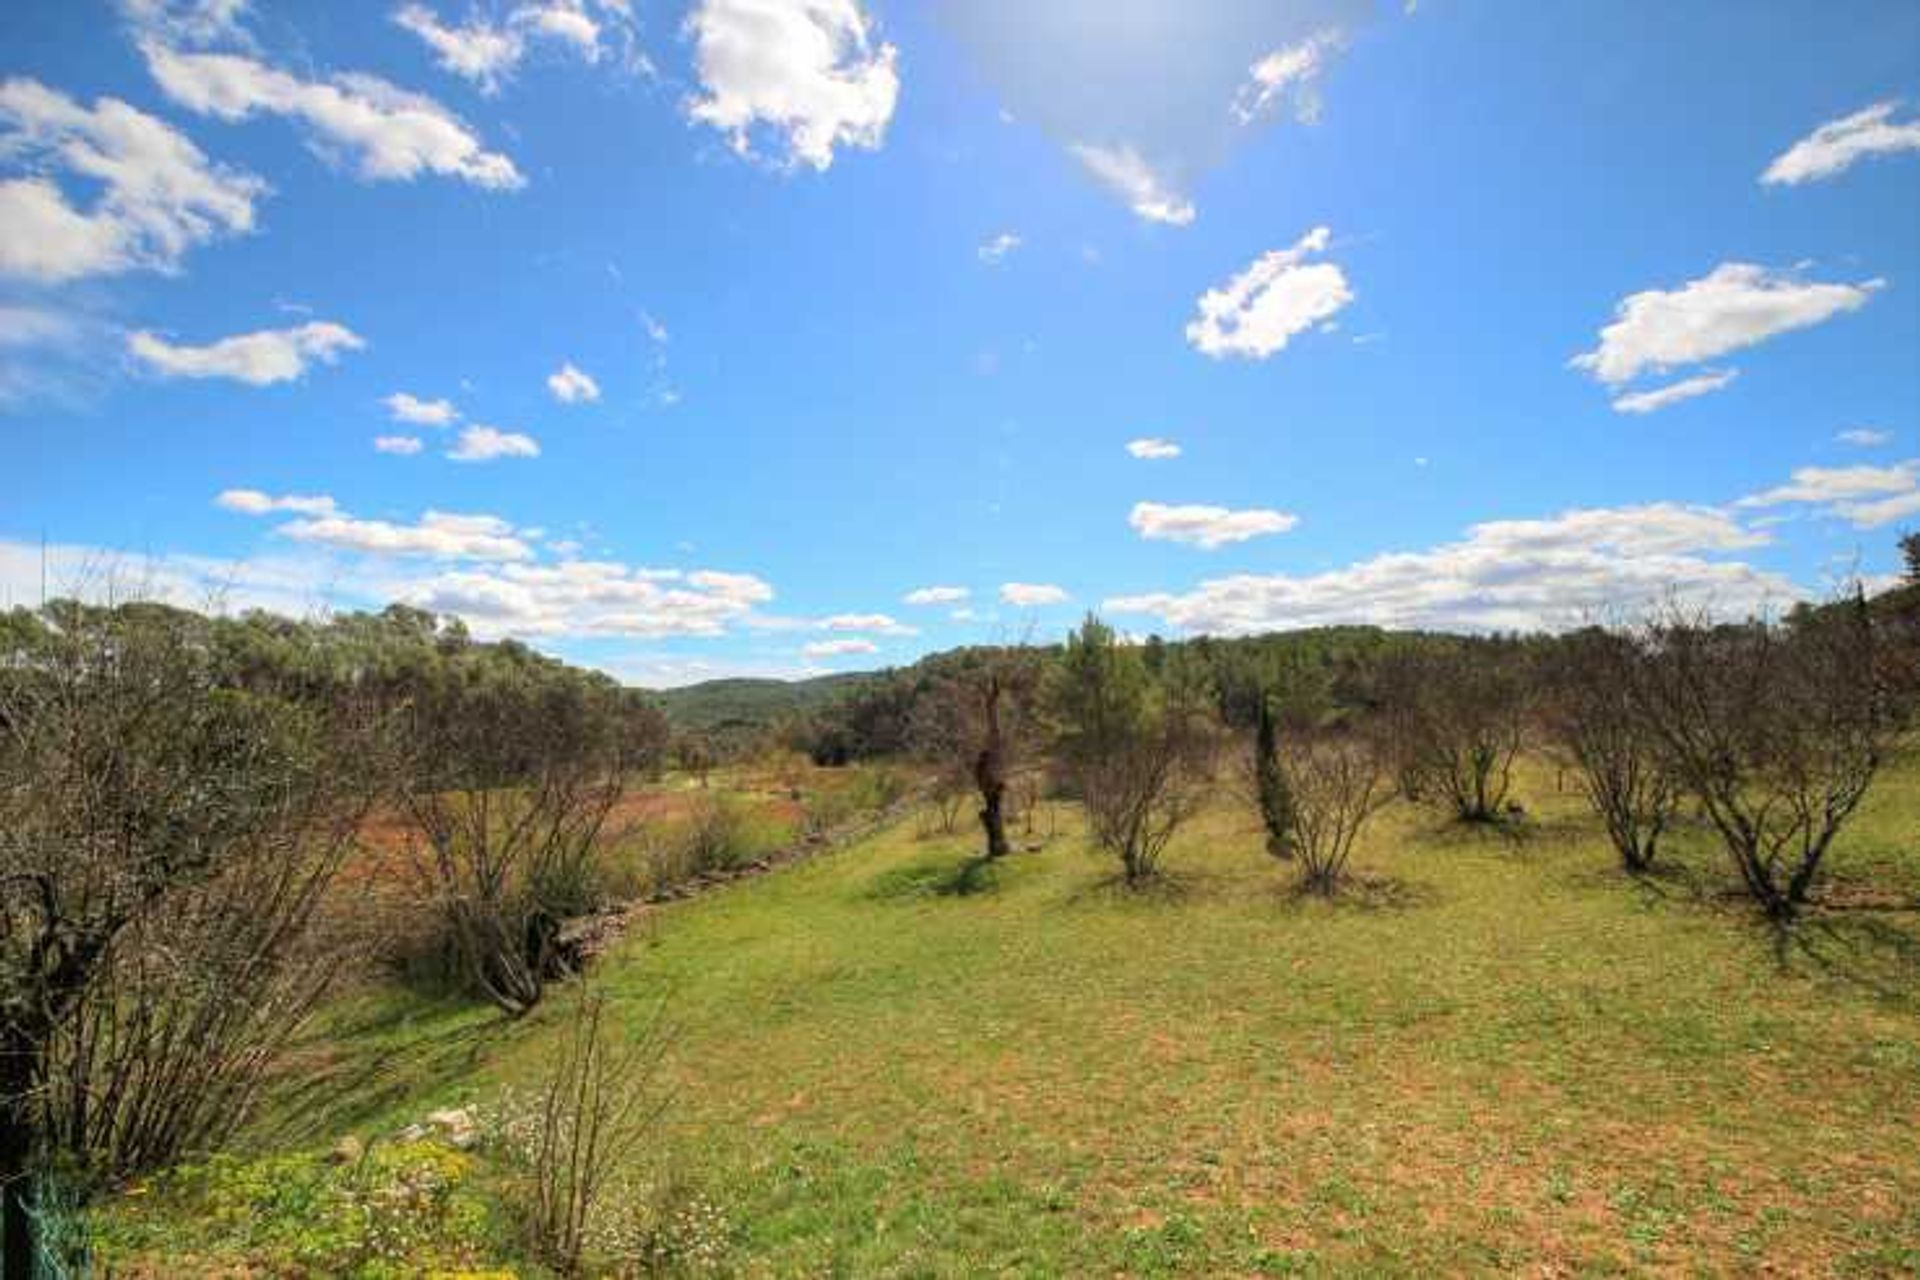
1502,1055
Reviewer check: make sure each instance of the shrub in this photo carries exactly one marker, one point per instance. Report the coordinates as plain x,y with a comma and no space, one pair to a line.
566,1138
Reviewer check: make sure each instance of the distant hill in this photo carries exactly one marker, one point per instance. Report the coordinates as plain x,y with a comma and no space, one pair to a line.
719,705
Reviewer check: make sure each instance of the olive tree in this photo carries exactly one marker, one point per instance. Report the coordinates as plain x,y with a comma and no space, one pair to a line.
130,773
514,769
1457,711
1776,729
1594,725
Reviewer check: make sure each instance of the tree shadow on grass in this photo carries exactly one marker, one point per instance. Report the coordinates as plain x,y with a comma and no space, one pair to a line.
937,877
1875,951
362,1068
1366,891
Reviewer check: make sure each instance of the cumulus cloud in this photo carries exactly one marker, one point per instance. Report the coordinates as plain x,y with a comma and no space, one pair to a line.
253,502
1838,485
835,648
477,50
479,443
1204,526
405,446
592,598
936,595
804,71
1864,437
1260,310
188,22
437,535
488,52
257,359
1032,594
879,623
1505,574
1734,306
156,194
569,385
995,250
380,131
1674,392
1833,148
1291,72
1153,448
1126,173
403,406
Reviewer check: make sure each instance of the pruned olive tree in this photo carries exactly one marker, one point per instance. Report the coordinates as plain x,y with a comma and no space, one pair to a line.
1457,712
131,774
1595,727
1335,782
1776,729
975,720
513,771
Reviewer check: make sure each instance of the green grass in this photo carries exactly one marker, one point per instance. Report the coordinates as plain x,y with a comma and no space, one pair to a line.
1497,1053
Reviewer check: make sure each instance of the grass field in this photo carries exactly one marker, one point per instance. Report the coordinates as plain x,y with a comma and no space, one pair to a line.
1497,1054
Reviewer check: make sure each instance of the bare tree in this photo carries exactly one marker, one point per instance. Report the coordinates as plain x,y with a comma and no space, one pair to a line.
1335,782
977,716
1457,713
128,773
1597,730
1777,730
514,774
568,1139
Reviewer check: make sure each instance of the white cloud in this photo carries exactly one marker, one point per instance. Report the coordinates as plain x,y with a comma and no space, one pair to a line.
252,502
405,446
995,250
879,623
403,406
479,443
1864,437
1127,174
381,131
1153,447
158,194
1204,526
1733,307
1836,145
936,595
488,52
1674,392
571,386
1506,574
438,535
368,563
188,22
257,359
834,648
1260,310
1292,70
742,587
1032,594
805,70
478,50
1884,511
1837,484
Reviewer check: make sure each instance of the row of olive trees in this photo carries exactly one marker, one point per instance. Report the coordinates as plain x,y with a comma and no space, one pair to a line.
1772,731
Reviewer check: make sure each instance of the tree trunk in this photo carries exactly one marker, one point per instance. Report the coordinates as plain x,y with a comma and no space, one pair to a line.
19,1060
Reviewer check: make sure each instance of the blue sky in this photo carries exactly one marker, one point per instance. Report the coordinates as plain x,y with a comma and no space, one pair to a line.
744,336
